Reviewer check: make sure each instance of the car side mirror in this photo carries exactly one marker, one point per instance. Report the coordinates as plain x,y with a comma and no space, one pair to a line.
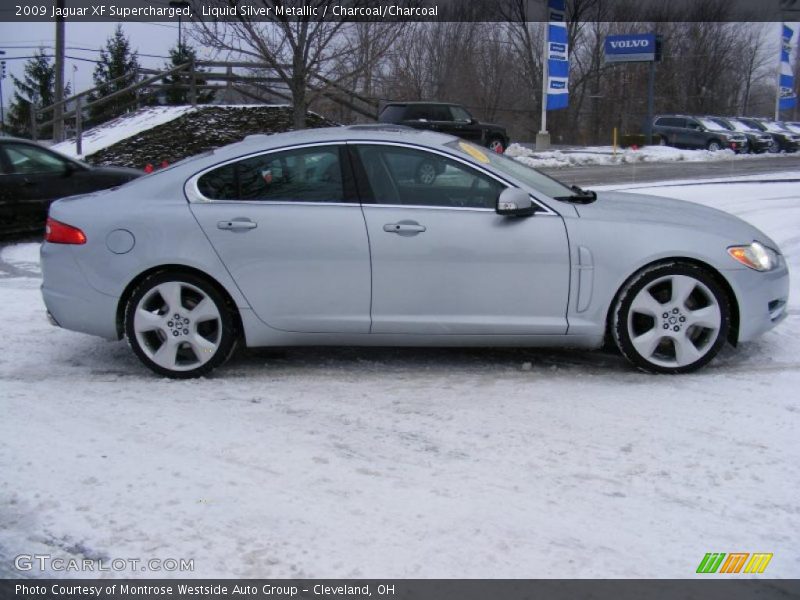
514,202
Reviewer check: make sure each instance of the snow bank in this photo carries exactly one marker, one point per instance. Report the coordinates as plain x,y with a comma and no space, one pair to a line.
121,128
603,155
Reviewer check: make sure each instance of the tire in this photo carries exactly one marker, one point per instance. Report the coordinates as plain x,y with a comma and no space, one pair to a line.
496,145
179,325
662,141
714,146
696,325
426,173
774,147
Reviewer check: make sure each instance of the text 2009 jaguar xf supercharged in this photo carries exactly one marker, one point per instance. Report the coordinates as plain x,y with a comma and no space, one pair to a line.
328,237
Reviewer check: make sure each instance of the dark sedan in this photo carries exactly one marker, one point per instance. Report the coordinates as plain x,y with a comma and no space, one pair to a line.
783,140
32,176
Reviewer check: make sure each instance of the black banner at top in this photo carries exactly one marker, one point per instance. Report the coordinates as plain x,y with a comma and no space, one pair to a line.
397,10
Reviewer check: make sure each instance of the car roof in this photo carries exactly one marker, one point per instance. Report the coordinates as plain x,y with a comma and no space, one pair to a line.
383,132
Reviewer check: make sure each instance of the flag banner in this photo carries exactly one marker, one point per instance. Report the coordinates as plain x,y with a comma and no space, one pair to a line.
557,56
786,96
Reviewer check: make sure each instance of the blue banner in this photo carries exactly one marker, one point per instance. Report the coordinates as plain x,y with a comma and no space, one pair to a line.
786,96
557,56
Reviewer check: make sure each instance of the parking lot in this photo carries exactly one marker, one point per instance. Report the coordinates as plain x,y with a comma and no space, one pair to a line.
329,462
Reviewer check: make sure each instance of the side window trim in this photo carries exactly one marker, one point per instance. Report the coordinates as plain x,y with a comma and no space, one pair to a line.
367,196
194,195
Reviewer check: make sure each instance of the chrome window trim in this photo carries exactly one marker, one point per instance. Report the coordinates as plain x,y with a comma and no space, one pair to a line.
546,210
194,196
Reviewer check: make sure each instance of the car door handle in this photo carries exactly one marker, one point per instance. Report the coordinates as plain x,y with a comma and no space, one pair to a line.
404,228
237,225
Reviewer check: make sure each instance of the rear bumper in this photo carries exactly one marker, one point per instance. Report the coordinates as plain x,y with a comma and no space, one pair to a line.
70,301
762,299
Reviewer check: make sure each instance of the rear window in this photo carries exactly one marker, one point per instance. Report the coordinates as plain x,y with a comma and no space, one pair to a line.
670,122
392,114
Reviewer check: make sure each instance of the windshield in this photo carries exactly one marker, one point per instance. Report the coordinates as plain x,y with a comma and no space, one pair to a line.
741,126
724,124
772,126
513,168
709,124
792,127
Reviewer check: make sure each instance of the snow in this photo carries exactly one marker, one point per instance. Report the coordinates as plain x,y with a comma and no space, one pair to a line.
403,462
121,128
604,155
131,124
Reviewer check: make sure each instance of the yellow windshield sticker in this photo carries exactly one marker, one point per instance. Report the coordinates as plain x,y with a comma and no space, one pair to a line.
474,152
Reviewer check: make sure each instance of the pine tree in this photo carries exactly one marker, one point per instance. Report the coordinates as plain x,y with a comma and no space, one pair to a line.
180,55
116,60
38,84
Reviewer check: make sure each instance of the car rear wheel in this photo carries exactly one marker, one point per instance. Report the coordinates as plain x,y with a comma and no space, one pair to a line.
496,145
671,318
179,325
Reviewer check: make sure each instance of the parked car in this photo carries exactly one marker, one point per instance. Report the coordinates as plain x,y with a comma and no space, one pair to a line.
783,140
32,176
443,117
697,132
757,140
255,244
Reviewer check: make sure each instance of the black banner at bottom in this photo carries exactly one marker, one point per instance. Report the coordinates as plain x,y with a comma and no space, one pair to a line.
399,589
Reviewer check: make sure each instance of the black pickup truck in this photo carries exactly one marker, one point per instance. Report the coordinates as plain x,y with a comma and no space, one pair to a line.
444,117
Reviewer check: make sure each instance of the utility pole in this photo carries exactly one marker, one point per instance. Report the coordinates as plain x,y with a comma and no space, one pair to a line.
58,111
543,137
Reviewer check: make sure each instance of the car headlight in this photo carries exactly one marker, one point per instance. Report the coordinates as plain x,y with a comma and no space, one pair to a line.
755,255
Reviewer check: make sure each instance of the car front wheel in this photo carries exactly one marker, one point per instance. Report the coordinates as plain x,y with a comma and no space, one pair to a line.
179,325
714,145
671,318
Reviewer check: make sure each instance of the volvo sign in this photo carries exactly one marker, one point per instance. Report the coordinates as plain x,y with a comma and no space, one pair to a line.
637,47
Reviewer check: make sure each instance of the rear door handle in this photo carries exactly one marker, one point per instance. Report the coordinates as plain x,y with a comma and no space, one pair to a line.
239,224
404,228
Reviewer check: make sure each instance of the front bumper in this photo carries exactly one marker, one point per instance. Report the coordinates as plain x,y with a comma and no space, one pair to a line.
762,299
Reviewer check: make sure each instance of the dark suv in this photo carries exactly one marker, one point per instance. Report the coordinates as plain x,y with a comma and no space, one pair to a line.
783,140
697,132
453,119
757,140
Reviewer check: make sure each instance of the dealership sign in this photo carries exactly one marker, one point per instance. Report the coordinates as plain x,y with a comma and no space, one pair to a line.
638,47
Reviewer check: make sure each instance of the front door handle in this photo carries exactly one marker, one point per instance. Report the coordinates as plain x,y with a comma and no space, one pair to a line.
240,224
404,228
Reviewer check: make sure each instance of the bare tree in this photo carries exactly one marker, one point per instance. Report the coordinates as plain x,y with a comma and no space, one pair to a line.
304,53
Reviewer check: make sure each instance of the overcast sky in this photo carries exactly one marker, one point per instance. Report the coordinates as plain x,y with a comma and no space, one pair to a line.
151,40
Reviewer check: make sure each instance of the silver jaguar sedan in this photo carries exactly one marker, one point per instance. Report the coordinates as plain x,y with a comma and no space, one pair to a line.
386,236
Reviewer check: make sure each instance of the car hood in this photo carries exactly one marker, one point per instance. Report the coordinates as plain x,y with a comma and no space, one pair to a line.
631,208
493,126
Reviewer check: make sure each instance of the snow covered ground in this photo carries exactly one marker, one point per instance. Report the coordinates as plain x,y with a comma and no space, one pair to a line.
604,155
403,463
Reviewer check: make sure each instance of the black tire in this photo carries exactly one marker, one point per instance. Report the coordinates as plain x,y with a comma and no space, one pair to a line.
223,331
496,144
714,145
623,321
774,147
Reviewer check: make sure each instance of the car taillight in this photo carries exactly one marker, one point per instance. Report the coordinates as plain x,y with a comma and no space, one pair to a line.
57,232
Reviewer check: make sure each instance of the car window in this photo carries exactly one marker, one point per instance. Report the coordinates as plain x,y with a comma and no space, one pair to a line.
25,159
392,114
709,124
302,175
669,122
410,177
460,114
513,168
